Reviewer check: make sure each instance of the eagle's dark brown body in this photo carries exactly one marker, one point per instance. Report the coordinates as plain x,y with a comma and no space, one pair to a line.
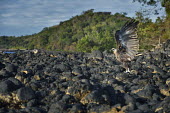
127,43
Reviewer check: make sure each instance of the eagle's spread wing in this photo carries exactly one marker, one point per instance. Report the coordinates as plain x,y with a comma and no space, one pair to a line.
126,38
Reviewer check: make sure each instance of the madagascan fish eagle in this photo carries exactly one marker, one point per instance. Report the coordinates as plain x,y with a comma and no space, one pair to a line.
127,43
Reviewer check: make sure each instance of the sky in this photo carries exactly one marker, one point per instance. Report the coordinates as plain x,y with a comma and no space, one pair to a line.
26,17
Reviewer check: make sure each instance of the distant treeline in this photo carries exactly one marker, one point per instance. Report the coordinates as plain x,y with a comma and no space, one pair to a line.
89,31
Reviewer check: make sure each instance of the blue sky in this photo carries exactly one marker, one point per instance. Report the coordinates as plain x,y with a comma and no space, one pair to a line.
25,17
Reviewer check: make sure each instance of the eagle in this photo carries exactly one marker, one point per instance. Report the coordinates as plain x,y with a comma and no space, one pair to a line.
127,43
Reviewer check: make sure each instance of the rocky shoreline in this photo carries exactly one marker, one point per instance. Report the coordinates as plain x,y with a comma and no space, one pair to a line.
64,82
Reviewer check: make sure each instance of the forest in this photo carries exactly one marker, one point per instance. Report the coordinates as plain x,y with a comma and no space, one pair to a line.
91,31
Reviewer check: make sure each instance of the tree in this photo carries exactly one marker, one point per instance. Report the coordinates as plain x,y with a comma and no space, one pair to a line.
164,3
86,32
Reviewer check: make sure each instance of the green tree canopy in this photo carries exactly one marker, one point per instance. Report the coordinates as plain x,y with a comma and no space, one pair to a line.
164,3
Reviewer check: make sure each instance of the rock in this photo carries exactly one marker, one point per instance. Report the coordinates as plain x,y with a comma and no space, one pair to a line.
118,69
1,66
16,82
147,92
135,111
166,45
148,56
27,72
58,107
144,108
37,77
164,106
73,82
11,68
79,89
129,99
4,73
25,94
104,96
78,77
167,63
95,54
168,81
39,67
129,107
157,69
7,86
63,67
119,88
121,76
41,94
77,108
165,90
68,99
97,108
77,71
32,103
32,110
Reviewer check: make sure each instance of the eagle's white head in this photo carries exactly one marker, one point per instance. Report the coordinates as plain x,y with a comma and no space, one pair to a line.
115,52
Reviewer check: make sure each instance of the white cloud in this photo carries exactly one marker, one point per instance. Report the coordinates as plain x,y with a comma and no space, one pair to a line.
8,15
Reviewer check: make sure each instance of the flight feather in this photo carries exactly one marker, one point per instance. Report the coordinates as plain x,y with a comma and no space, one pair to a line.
126,38
127,42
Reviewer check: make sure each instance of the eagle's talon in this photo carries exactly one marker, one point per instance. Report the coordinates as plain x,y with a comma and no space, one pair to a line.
127,70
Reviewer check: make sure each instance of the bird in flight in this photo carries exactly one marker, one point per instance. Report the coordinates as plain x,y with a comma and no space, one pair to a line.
127,43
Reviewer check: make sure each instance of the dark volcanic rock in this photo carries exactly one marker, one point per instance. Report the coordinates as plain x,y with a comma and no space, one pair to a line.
77,108
58,107
4,73
32,103
63,67
147,92
97,108
1,65
16,82
79,88
95,54
163,107
65,82
25,93
129,99
32,110
100,96
7,86
11,68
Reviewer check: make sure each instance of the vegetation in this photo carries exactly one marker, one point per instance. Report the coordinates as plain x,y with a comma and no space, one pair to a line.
153,34
86,32
90,31
164,3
